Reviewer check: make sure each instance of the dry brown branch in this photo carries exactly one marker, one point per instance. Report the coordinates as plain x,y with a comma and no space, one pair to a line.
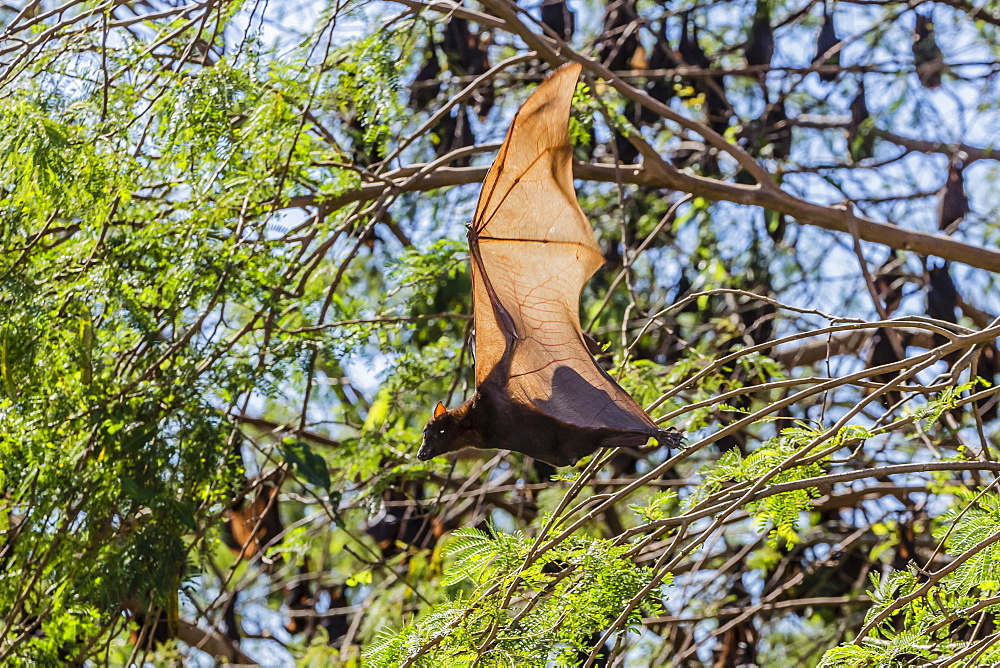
828,218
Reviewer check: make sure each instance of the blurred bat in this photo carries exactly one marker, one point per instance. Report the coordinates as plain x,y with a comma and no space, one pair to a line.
883,352
299,599
927,56
825,42
256,524
942,298
954,204
620,46
406,525
427,83
889,281
557,16
759,48
860,139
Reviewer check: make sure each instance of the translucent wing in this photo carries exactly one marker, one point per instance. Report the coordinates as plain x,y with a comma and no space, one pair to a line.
533,250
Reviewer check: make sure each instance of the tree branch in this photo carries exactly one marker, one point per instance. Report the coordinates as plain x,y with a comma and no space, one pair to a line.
212,643
911,145
828,218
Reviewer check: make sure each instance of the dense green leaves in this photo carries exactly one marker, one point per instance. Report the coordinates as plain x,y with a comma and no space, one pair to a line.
569,595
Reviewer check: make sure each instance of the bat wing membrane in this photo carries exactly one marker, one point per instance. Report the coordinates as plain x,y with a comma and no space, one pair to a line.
533,250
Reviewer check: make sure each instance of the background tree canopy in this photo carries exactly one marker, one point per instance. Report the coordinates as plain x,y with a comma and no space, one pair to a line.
234,283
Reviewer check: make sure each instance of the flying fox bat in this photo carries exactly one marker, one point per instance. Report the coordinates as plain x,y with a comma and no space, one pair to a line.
532,250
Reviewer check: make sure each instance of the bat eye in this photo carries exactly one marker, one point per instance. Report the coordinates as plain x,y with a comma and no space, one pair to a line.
440,431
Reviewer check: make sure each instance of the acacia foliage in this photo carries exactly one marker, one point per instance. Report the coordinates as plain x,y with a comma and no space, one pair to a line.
233,264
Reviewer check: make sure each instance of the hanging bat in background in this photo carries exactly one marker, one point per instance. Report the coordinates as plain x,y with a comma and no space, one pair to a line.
662,57
954,203
408,525
560,18
427,84
256,524
717,107
532,250
825,43
759,48
883,352
889,281
860,138
927,55
337,624
689,48
299,599
620,45
777,130
942,300
452,133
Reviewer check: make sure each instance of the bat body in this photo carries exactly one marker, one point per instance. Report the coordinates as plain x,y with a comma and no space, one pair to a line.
559,17
532,250
426,85
860,139
927,54
826,41
256,524
759,48
954,203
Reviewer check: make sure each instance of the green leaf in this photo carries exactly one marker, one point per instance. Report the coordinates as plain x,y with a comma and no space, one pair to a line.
307,463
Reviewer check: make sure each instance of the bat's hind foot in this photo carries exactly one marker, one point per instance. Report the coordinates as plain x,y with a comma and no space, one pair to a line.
670,438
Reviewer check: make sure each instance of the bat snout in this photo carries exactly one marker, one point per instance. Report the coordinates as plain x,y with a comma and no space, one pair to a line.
425,452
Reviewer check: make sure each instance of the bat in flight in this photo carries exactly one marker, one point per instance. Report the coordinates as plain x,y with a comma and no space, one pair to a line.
538,390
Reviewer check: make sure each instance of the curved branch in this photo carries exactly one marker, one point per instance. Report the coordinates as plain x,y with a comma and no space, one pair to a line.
911,145
212,643
835,219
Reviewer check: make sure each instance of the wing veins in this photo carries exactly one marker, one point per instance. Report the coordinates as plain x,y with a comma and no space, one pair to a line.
543,367
477,228
534,241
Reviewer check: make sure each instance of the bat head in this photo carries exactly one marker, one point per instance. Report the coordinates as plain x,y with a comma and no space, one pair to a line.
448,431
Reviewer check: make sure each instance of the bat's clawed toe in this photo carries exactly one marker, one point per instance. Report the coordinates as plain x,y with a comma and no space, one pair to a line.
671,438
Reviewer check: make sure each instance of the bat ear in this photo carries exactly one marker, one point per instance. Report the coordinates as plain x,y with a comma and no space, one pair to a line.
440,410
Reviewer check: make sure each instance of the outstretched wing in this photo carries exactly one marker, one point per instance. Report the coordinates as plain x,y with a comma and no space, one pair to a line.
533,250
